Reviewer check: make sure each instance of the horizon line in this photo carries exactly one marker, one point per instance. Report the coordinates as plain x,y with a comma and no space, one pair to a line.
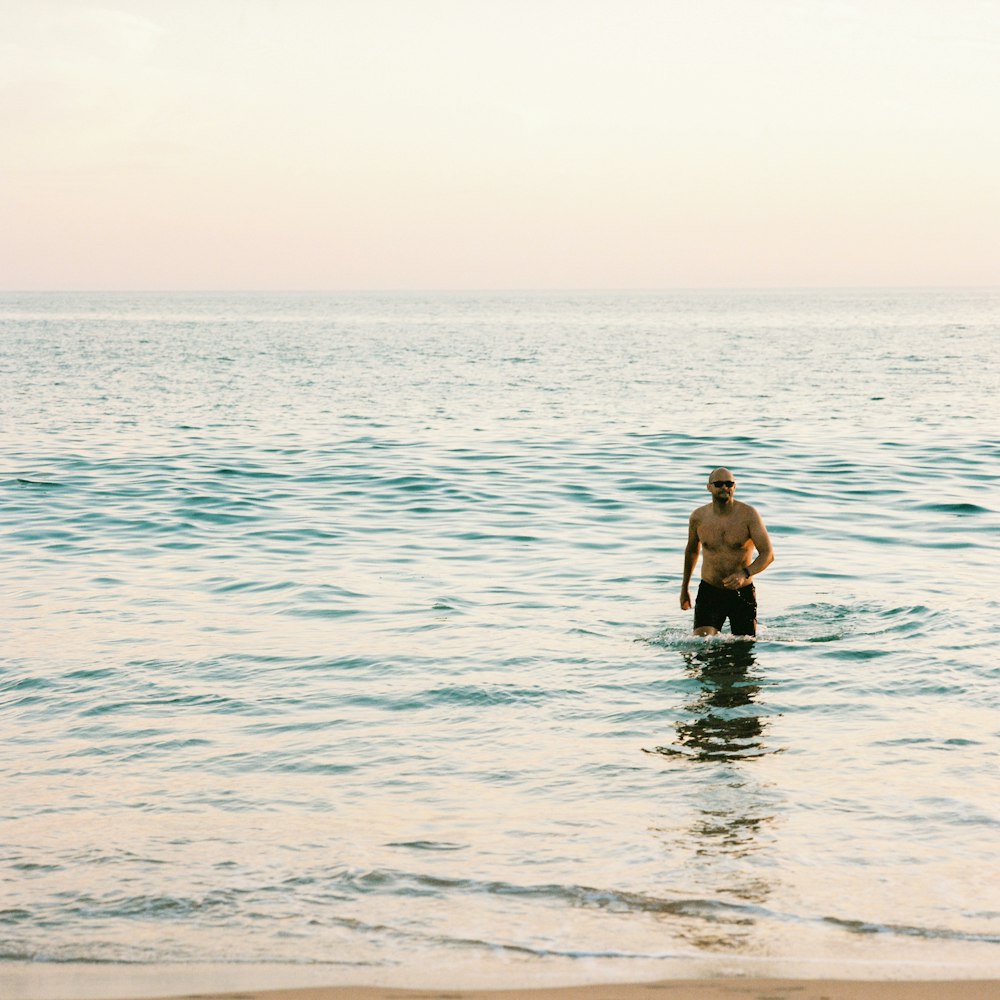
443,290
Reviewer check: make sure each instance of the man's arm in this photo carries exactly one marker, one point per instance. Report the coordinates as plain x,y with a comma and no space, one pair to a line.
691,551
765,553
762,543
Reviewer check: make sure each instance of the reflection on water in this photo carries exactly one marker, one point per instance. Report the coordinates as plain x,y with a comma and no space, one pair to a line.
726,723
725,726
726,843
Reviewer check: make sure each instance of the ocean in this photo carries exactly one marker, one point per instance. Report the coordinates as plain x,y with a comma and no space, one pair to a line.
342,635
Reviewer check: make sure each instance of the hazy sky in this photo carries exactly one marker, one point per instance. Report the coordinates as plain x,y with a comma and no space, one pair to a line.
341,144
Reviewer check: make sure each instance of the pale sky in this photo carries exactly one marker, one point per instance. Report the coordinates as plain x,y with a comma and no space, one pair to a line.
476,144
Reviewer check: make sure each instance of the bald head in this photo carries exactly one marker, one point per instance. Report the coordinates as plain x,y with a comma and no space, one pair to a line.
721,484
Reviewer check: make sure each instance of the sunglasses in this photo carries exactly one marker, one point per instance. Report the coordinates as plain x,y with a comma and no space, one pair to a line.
719,483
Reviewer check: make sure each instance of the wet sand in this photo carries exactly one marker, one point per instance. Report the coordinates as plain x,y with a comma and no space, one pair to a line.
89,981
701,989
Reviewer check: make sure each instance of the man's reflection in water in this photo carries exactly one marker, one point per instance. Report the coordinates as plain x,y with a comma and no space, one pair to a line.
726,725
719,856
723,728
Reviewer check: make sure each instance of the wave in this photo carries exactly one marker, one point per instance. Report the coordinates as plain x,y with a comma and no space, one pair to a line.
251,905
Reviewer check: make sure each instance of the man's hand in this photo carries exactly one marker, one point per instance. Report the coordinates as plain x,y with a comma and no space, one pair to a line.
736,580
685,600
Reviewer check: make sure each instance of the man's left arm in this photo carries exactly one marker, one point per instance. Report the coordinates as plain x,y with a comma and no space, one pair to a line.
765,553
762,543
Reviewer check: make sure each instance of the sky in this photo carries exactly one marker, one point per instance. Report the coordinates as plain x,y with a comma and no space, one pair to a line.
508,144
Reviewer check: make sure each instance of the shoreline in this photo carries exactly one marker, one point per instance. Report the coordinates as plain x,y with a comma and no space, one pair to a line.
734,988
94,981
688,989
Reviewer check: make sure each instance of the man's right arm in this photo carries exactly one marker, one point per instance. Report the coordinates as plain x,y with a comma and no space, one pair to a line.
691,551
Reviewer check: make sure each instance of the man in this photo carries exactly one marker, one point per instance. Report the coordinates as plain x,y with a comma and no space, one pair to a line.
729,531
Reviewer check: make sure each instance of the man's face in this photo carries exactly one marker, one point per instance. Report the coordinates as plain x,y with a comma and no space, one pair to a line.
721,485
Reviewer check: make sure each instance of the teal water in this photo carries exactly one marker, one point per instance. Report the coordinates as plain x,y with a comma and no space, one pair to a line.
344,631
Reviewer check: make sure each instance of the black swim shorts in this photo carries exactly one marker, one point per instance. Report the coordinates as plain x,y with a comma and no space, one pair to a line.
714,605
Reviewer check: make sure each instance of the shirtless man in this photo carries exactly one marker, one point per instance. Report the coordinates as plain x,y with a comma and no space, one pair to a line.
729,531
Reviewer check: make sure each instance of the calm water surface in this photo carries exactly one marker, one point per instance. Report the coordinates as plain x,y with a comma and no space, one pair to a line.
343,631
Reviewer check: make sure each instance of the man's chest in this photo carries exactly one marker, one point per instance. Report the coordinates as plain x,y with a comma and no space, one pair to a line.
719,534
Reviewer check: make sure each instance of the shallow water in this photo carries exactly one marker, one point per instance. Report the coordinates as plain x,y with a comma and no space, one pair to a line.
344,629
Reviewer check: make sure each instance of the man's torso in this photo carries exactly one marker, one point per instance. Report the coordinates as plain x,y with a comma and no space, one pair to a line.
725,541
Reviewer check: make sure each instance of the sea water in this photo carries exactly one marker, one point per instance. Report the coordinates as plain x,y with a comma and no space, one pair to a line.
342,632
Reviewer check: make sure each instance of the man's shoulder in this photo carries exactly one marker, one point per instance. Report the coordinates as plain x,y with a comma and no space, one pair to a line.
699,512
749,512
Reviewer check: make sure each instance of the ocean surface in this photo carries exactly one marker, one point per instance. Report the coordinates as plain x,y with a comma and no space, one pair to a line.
342,633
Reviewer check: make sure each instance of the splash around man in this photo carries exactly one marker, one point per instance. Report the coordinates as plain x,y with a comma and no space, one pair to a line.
726,531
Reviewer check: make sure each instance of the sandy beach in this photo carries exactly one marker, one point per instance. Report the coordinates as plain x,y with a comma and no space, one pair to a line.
112,987
707,989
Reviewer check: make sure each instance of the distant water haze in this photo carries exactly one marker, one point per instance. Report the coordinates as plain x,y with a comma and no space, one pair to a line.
344,631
